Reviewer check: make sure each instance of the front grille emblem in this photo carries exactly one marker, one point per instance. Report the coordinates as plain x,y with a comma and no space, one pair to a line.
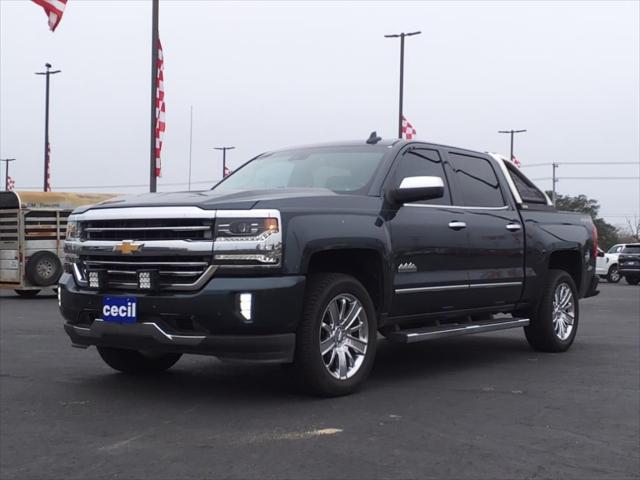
127,247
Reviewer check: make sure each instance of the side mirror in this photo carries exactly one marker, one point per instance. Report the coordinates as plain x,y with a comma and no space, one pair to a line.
600,253
414,189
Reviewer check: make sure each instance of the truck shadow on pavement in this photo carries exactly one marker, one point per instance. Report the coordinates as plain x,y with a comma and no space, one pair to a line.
220,382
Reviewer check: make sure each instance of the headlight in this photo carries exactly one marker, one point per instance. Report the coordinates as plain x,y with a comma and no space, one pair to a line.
245,229
248,241
73,230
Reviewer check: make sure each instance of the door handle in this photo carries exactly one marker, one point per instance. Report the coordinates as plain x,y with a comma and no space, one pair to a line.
513,227
457,225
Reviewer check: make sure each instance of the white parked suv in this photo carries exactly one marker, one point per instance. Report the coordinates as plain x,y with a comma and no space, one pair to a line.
607,263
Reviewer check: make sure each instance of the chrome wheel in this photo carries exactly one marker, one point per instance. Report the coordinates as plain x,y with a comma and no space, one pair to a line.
344,336
563,311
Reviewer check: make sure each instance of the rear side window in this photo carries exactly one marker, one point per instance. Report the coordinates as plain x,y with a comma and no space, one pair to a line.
479,186
631,249
527,190
423,162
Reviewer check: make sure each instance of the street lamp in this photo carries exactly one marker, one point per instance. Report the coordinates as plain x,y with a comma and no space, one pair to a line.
401,36
48,73
511,132
224,158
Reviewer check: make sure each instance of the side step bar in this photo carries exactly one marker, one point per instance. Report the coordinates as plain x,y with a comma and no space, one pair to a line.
453,330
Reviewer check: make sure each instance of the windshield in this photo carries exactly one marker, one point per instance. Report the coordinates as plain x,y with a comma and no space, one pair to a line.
341,169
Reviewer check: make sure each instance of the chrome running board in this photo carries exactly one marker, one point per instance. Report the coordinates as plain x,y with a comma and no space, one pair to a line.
452,330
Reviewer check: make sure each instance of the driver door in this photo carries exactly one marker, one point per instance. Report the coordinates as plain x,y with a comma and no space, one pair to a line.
430,243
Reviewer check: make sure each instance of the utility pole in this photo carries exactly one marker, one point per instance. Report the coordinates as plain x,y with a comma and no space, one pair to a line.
224,158
6,172
47,173
190,142
554,180
154,86
511,132
401,36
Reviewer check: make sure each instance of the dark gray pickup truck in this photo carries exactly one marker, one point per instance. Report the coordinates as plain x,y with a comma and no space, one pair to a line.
304,255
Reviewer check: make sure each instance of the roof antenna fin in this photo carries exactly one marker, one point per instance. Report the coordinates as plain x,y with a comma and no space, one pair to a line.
373,138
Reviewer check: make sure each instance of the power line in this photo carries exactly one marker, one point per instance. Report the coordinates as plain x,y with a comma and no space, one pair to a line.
578,163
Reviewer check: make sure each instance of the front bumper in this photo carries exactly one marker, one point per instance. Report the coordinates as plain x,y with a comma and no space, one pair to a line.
208,321
629,270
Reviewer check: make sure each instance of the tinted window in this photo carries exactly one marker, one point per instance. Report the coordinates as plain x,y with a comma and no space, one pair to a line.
479,186
341,169
631,249
615,249
423,163
527,190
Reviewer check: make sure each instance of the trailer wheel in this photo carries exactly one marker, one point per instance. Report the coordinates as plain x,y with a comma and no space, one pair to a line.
43,269
27,293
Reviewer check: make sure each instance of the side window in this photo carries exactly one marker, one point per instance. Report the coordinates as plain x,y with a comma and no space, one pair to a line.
527,190
423,163
477,180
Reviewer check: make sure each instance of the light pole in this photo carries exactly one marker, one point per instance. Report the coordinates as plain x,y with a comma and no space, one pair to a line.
511,132
224,158
6,172
401,36
47,74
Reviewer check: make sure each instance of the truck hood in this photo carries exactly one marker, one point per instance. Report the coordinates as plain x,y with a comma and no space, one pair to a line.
243,200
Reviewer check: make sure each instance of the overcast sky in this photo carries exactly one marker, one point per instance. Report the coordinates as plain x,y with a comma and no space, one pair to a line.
268,75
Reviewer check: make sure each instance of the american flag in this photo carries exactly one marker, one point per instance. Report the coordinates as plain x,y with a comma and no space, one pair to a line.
515,161
53,9
11,184
408,131
48,187
160,108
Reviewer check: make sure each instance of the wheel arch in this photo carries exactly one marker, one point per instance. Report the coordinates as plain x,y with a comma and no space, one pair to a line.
367,265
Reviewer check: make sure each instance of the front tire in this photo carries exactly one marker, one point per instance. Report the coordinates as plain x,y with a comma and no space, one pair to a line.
631,280
337,335
134,362
554,322
613,275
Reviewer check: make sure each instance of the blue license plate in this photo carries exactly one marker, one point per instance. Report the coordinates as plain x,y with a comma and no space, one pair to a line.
119,309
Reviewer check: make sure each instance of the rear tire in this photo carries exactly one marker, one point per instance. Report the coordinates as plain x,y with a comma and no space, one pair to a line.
632,280
338,318
27,293
613,275
43,269
554,321
134,362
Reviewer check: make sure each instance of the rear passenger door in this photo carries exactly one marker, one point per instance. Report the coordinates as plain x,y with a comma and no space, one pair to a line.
496,236
429,241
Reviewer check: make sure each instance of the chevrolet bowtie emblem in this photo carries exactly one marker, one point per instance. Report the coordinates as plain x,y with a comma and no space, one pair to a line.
128,247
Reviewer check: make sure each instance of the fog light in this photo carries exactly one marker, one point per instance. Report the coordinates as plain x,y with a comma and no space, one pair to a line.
147,279
245,305
97,278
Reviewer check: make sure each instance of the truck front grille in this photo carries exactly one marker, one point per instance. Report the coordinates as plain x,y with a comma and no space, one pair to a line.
180,273
148,229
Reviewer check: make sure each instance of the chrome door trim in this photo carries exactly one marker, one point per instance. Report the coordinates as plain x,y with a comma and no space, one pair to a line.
438,288
441,288
492,285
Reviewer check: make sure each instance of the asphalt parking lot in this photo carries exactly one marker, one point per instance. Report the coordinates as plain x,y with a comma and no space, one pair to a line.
483,406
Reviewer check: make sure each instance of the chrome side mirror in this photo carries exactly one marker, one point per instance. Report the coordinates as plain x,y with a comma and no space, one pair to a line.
415,189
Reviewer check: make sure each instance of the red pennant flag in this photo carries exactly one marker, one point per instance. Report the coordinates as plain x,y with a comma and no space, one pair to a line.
54,10
408,130
160,108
